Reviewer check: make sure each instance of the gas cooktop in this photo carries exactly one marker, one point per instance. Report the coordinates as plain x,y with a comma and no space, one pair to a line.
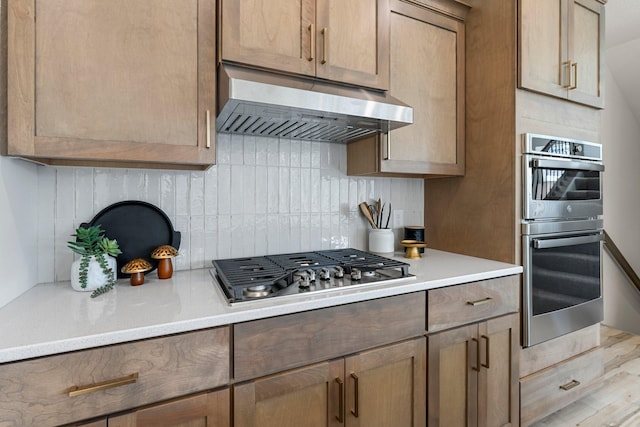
253,278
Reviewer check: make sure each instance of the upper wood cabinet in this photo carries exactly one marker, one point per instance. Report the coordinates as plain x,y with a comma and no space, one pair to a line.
427,73
344,41
118,83
561,49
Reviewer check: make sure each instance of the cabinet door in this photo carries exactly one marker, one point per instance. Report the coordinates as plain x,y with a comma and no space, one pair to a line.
498,403
452,388
307,397
277,34
386,387
206,410
352,42
427,73
111,83
586,42
543,62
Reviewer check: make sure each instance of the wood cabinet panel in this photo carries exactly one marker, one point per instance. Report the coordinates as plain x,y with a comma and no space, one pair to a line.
340,41
557,386
457,305
133,88
560,53
427,73
204,410
473,374
270,345
36,392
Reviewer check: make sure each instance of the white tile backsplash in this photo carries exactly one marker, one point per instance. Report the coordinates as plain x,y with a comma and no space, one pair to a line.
264,196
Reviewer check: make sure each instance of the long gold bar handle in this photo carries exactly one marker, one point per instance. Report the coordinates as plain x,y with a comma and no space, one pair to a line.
568,74
312,43
208,124
487,351
104,385
340,416
324,45
355,411
574,66
477,367
388,136
569,386
480,301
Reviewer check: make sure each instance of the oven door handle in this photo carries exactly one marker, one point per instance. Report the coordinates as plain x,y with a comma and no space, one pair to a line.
566,164
569,241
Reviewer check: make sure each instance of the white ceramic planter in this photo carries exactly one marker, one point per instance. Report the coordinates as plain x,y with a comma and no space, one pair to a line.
381,241
95,276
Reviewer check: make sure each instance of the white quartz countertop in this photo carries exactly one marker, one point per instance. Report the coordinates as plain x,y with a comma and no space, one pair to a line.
53,318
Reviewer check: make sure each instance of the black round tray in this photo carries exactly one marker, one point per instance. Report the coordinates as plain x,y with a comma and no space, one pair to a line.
139,227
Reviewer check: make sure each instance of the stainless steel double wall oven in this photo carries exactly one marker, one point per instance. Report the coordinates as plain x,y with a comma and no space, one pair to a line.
561,236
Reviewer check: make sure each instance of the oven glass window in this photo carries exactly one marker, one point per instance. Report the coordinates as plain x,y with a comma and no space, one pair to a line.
565,276
565,184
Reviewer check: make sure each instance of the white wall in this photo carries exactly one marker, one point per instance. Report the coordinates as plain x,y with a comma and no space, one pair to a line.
621,151
263,196
18,227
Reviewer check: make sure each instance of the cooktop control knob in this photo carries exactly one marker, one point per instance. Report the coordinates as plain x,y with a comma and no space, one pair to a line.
356,274
324,274
311,274
303,279
338,272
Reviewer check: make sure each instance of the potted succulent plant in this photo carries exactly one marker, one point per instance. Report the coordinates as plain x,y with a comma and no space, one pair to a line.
96,269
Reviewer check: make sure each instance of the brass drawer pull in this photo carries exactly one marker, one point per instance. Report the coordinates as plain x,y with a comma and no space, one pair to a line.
480,301
104,385
569,386
324,32
574,65
355,411
208,124
477,367
339,417
312,43
487,351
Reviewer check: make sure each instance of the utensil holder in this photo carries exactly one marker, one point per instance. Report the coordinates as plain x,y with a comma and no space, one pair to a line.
381,241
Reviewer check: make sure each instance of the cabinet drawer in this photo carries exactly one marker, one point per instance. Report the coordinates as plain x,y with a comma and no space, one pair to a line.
275,344
458,305
554,388
74,386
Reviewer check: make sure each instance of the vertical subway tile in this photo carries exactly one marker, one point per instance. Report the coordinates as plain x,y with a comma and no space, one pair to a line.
325,191
168,193
273,176
273,151
285,153
224,189
295,154
183,260
337,240
152,186
247,235
84,194
324,155
295,235
182,193
46,224
305,190
197,242
248,193
354,201
211,191
273,234
224,236
196,194
210,239
305,154
236,149
261,235
223,148
284,192
315,231
261,151
295,196
249,150
305,233
316,148
237,245
334,205
363,196
284,234
135,184
261,189
325,224
315,191
65,193
237,186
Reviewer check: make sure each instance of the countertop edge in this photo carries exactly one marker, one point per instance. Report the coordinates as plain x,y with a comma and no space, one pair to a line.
244,313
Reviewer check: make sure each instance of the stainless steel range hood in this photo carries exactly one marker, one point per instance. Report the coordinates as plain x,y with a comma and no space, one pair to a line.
267,104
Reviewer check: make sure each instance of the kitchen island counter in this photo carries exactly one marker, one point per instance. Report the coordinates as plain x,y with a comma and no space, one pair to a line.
52,318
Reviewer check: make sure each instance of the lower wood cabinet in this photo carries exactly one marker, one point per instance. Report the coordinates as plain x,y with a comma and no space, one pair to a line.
207,410
473,374
380,387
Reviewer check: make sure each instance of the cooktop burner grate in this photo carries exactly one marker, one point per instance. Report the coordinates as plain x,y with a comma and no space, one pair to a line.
244,279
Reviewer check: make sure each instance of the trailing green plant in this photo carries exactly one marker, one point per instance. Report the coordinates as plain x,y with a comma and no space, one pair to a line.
91,241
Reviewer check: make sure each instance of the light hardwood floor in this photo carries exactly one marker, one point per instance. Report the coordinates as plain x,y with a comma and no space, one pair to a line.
617,403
